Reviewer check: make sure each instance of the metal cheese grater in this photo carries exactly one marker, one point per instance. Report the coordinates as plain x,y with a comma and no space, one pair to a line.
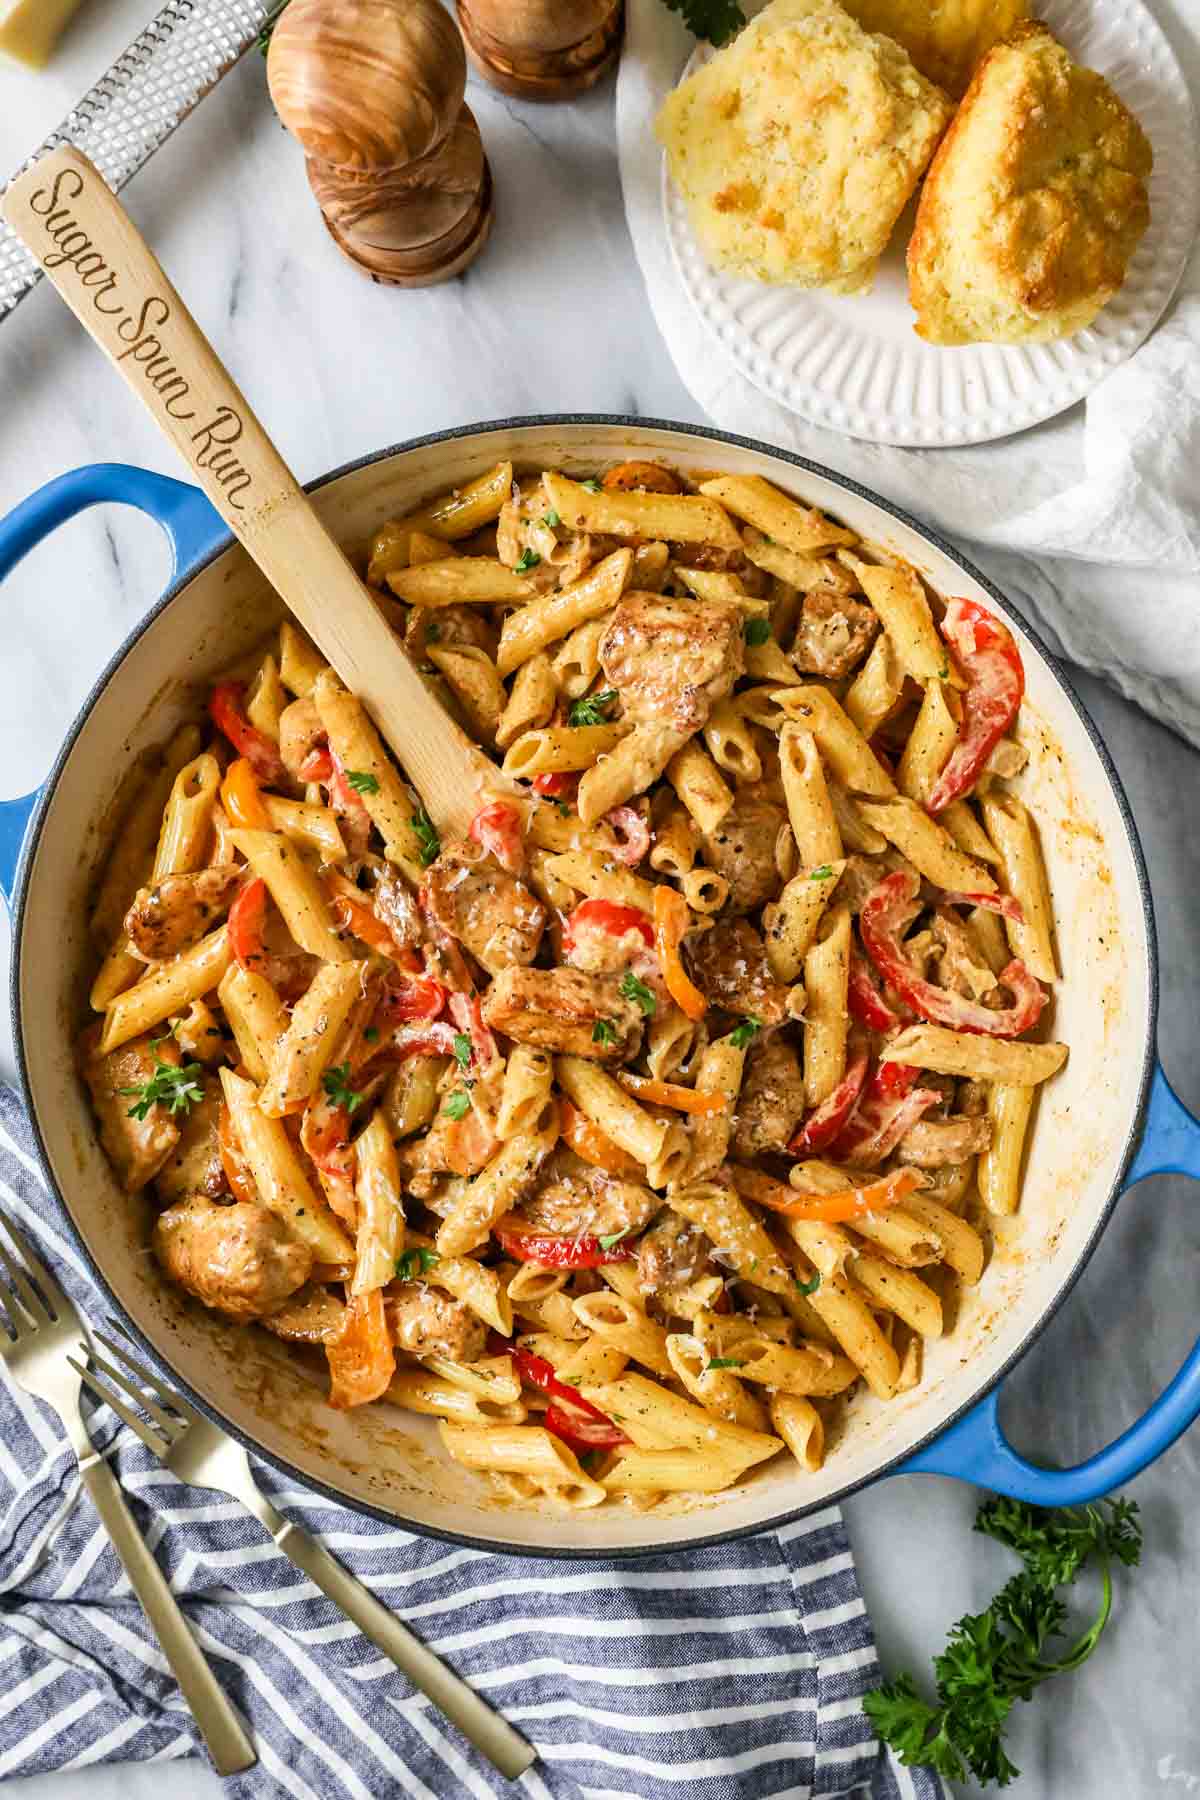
150,89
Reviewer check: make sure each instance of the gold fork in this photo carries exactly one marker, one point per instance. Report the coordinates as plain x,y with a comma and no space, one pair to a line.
204,1456
37,1325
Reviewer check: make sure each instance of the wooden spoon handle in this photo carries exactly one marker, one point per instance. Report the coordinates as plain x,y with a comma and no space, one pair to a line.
72,222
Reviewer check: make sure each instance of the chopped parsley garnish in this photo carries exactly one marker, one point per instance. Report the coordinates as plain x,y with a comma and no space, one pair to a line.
458,1105
362,781
614,1237
462,1049
178,1089
564,811
593,710
809,1287
824,873
591,484
528,559
427,837
336,1082
999,1656
742,1034
433,632
412,1264
371,1034
716,20
756,632
551,518
634,989
944,671
723,1362
604,1032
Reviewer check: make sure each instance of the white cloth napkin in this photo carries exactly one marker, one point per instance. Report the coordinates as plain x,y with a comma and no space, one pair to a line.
1106,497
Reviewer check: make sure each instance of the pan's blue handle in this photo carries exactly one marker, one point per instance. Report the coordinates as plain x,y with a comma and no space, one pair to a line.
976,1450
190,522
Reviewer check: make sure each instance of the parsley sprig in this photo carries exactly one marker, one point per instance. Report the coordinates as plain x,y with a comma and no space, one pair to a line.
999,1656
412,1264
756,632
723,1362
716,20
463,1048
604,1032
362,781
458,1104
633,988
593,710
428,842
177,1088
336,1082
745,1033
528,559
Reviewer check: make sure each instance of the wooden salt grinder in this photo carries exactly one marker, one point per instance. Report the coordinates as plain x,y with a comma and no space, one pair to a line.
373,91
542,49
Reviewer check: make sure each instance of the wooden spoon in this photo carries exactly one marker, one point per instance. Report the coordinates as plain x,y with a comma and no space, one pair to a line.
71,221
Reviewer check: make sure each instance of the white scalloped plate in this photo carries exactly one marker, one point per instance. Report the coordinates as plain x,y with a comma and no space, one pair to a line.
856,365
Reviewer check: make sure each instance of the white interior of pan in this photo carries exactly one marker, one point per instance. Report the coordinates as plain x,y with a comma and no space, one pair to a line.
391,1460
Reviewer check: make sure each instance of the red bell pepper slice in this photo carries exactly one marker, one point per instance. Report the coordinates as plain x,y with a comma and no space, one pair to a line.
865,1001
632,835
227,710
498,829
412,997
554,1250
1007,905
467,1013
887,911
317,765
584,1424
607,915
991,662
421,1037
826,1121
247,918
892,1078
883,1116
555,787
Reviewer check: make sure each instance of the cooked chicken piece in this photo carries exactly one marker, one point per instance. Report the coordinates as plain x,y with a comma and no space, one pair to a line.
972,1097
834,634
641,477
863,874
672,660
946,1086
672,1253
742,849
175,912
730,964
194,1165
450,1146
427,1322
395,905
241,1259
300,733
961,964
771,1103
312,1316
574,1199
136,1148
932,1143
449,628
483,906
566,1010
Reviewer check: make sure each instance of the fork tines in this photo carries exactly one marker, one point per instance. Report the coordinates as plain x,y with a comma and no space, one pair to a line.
100,1377
33,1297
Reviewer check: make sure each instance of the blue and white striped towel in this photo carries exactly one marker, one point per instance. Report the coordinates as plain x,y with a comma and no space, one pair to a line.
729,1672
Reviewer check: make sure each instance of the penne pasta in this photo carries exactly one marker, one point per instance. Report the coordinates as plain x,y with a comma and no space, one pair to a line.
1022,873
987,1058
827,1016
800,529
842,745
550,617
1009,1108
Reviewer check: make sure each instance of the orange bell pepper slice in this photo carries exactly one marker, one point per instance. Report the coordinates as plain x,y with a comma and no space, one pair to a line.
829,1209
241,799
361,1358
671,1093
351,912
670,923
593,1145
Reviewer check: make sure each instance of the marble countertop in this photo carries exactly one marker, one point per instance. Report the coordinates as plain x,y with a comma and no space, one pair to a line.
553,318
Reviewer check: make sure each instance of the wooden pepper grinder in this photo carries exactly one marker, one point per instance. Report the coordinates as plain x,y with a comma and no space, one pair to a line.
373,91
542,49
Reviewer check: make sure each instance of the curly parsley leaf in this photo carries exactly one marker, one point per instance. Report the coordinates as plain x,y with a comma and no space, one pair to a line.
362,781
463,1048
336,1082
723,1362
756,632
412,1264
593,710
591,484
604,1032
429,843
811,1286
551,519
458,1104
716,20
743,1034
528,559
824,873
634,989
614,1237
178,1089
994,1658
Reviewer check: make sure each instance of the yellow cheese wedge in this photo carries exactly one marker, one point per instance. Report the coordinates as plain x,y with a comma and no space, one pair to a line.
29,29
